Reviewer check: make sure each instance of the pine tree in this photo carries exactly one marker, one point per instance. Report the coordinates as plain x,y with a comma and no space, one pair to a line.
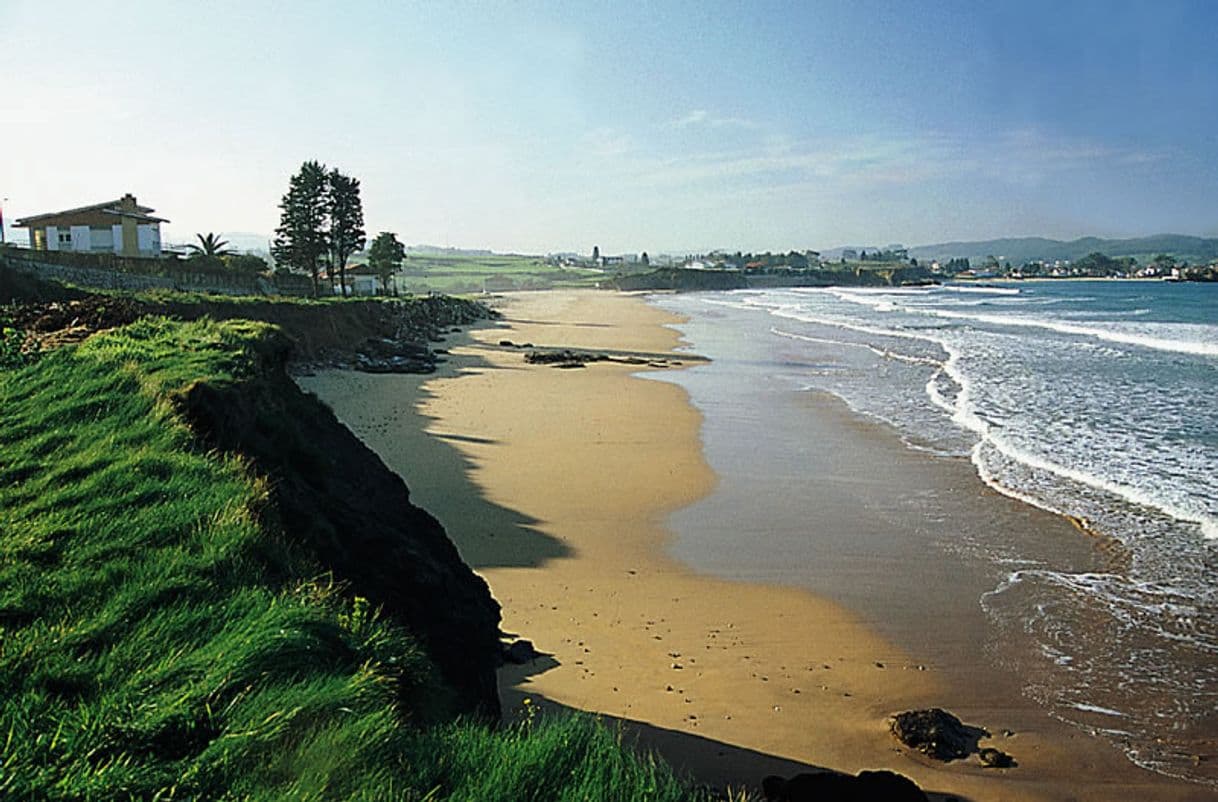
346,213
302,238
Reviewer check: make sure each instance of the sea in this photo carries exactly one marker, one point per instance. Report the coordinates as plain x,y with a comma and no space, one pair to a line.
1096,400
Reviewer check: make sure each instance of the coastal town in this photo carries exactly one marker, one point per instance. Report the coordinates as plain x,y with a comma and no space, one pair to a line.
96,242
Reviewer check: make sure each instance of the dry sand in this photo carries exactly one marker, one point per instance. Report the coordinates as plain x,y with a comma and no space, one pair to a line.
555,484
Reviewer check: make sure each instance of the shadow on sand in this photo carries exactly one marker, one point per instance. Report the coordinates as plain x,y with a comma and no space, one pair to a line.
440,476
708,762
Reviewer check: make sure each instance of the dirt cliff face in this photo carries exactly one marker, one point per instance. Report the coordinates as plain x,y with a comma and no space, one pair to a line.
342,507
319,331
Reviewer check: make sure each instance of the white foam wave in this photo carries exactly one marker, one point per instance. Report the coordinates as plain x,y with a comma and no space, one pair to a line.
1207,524
936,396
1103,711
981,290
729,304
962,410
1168,612
876,301
1143,340
793,312
882,352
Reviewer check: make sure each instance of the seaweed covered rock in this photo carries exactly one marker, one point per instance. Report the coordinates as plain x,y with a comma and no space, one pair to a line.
936,733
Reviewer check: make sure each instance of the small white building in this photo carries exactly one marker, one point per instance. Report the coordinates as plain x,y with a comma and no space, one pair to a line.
362,280
120,226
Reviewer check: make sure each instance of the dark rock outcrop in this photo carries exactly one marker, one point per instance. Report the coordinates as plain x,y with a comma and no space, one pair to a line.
564,358
338,506
675,278
936,733
828,786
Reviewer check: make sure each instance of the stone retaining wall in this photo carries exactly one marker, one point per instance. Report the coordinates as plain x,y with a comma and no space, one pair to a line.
175,278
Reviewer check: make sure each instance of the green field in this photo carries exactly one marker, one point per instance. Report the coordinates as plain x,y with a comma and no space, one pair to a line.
160,640
467,274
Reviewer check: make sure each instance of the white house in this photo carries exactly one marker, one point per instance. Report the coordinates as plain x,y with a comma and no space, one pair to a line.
119,226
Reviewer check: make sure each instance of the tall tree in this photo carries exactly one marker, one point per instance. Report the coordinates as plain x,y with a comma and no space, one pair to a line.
302,239
346,213
596,253
385,256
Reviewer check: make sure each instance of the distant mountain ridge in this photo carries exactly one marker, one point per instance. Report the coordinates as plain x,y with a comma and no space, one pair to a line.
1018,250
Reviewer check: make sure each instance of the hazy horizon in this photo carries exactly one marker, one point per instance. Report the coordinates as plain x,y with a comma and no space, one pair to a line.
538,129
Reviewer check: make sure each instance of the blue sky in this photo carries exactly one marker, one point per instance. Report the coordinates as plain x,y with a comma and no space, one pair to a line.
634,126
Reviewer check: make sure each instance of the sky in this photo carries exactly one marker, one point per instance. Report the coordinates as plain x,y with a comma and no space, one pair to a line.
658,126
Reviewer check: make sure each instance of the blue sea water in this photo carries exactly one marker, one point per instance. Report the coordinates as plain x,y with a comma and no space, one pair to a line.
1097,400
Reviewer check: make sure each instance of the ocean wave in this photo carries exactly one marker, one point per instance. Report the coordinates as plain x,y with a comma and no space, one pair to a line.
882,352
793,312
987,290
1144,340
1135,605
1206,524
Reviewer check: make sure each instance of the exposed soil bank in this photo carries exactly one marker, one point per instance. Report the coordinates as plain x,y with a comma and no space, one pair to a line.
334,497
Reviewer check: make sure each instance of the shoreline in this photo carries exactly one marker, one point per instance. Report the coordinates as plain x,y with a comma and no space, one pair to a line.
556,486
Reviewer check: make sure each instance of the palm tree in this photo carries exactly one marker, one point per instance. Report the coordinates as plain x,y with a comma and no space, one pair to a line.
210,245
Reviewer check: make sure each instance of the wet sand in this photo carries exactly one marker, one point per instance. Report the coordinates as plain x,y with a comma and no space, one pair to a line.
556,486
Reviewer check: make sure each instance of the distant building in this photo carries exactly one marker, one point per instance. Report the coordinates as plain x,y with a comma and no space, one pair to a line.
850,254
361,280
120,226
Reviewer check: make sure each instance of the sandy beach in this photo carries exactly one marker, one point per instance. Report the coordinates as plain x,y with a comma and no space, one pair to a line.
556,485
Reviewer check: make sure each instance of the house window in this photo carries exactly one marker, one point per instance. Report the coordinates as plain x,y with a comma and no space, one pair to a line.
65,237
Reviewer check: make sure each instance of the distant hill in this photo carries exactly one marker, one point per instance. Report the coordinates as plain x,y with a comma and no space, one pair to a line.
1018,250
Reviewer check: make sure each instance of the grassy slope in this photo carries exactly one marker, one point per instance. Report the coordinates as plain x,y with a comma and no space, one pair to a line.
157,639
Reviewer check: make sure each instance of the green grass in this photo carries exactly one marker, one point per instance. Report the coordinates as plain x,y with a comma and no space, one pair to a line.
159,641
465,273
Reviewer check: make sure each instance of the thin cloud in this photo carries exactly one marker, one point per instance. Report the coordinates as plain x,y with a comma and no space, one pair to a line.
693,118
1019,157
607,142
701,117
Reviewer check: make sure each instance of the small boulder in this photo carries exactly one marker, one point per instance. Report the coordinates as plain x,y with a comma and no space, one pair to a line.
936,733
993,758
